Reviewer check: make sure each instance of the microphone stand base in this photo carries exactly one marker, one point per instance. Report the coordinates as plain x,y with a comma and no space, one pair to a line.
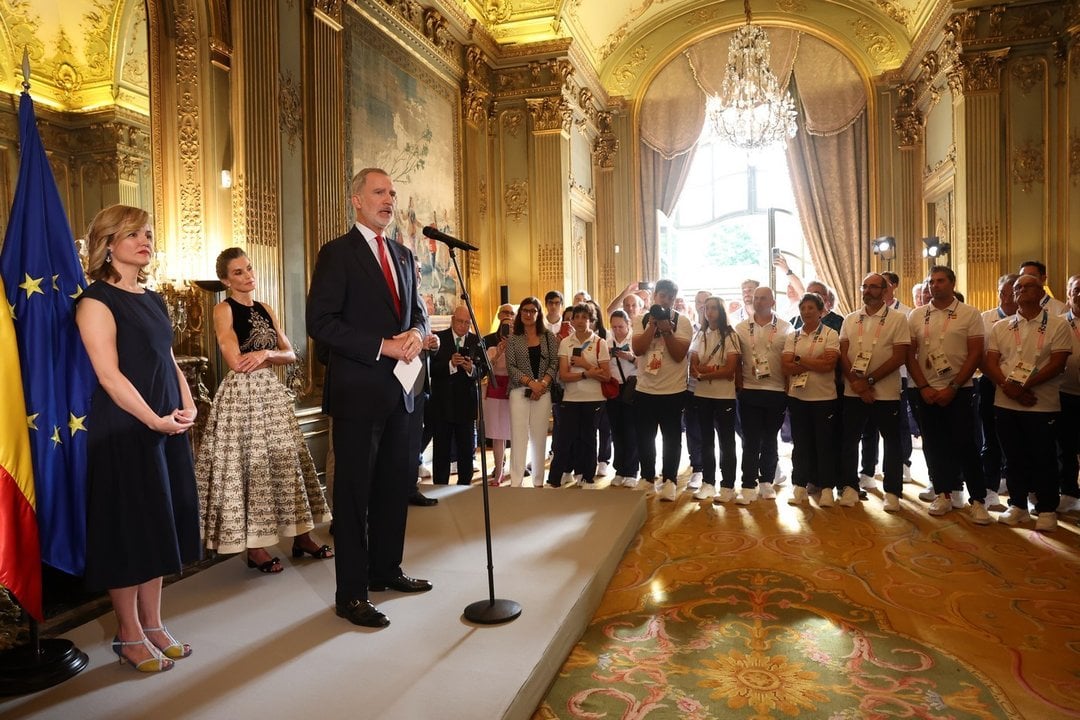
492,612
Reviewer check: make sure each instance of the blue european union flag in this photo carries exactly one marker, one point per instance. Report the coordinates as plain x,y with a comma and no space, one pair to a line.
42,276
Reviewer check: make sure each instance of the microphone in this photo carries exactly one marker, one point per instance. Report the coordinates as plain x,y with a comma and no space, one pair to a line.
453,242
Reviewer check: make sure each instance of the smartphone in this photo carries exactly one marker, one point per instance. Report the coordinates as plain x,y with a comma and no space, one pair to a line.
504,330
576,352
776,252
644,286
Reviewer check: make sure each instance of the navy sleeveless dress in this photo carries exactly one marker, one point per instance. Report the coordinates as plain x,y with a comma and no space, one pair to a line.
142,509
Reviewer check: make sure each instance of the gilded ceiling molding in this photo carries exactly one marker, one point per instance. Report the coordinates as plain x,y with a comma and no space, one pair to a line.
291,118
429,24
1028,166
791,6
498,11
624,75
895,12
977,73
606,145
879,46
516,199
1027,73
550,114
328,11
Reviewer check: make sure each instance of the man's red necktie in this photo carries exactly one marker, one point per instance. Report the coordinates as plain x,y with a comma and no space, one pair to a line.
388,273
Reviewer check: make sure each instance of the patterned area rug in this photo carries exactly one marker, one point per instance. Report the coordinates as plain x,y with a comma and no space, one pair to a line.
771,611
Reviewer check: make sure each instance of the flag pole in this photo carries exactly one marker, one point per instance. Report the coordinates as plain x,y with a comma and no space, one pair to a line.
39,664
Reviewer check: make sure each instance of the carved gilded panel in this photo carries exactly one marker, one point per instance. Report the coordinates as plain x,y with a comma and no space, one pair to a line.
516,199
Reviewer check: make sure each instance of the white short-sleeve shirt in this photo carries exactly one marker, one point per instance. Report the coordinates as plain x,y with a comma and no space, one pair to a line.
947,331
1018,339
877,334
658,372
595,351
767,343
707,345
819,385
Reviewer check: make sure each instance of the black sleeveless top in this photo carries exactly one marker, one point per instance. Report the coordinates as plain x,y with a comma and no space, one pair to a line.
253,327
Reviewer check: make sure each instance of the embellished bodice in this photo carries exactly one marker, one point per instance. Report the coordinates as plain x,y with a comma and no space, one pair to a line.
253,327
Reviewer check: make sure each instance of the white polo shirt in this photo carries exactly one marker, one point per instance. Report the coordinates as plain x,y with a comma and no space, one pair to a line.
819,385
760,344
946,331
707,345
1031,341
595,351
877,335
1070,380
658,372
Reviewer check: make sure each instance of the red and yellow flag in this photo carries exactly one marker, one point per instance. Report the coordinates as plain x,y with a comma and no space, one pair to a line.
20,553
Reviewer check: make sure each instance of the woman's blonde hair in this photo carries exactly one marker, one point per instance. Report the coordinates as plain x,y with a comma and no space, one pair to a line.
112,222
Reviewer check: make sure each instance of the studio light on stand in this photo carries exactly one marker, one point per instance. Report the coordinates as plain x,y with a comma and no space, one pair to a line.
885,248
934,247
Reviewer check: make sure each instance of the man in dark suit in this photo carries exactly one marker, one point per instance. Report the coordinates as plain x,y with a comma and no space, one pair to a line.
364,307
454,378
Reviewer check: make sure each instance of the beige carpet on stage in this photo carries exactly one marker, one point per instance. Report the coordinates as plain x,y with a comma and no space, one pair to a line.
272,647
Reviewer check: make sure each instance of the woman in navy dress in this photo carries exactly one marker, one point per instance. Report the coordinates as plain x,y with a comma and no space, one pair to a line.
142,510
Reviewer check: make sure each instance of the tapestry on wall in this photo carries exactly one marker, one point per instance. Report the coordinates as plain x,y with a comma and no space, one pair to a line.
405,121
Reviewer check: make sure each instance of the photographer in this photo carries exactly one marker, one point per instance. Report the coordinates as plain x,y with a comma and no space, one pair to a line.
455,373
661,348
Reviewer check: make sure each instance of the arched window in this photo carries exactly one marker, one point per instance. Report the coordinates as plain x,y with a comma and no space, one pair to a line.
734,212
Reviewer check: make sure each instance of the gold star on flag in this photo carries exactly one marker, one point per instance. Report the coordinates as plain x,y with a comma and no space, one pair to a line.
75,295
54,285
56,436
11,309
75,424
31,285
30,421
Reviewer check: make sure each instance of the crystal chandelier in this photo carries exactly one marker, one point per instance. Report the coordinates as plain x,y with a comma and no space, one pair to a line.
750,111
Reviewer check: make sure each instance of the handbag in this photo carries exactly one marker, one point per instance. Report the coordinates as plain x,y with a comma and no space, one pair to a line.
610,388
498,387
628,389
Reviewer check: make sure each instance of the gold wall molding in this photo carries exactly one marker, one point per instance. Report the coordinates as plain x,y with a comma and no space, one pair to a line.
1074,157
516,199
292,111
476,90
482,198
877,44
550,114
626,73
1027,73
189,130
1028,166
606,145
580,193
943,167
512,120
977,73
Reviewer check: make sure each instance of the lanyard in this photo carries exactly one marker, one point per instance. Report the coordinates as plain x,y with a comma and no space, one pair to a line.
877,335
772,334
950,312
1042,334
795,344
1071,317
705,342
896,304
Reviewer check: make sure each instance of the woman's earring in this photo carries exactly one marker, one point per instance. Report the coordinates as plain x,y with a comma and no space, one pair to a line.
108,256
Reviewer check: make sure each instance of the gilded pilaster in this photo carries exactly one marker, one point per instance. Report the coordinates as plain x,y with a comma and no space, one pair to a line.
909,128
605,150
257,111
328,210
549,202
980,217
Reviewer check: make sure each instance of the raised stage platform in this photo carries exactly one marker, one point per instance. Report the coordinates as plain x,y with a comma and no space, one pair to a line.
271,645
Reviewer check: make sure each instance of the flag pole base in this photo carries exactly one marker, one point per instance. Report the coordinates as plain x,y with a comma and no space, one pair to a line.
25,670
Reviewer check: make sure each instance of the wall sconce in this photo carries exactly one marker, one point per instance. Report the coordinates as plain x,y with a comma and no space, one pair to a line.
934,247
884,247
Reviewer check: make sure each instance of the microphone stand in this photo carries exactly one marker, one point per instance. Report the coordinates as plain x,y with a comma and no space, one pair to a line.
491,611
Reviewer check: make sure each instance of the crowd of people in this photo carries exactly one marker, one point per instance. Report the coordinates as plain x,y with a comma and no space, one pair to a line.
995,397
992,395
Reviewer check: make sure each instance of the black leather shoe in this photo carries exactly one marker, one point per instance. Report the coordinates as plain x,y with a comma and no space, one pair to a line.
402,583
421,500
362,612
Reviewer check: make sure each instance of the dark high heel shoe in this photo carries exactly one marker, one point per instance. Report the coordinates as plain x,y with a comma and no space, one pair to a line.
155,663
266,567
323,553
174,650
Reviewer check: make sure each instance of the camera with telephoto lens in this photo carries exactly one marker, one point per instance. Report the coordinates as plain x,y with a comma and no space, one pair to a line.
659,312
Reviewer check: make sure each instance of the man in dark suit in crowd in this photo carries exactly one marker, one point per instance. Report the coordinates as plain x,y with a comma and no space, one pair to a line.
364,307
454,379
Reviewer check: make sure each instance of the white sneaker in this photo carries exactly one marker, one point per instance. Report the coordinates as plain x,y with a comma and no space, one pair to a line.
724,495
1046,522
669,491
590,485
706,492
907,473
569,480
1068,504
892,503
826,497
979,516
602,469
993,502
1014,516
957,497
617,481
866,482
425,471
694,482
746,496
779,479
941,505
766,491
798,496
850,497
928,495
1033,500
1003,487
630,482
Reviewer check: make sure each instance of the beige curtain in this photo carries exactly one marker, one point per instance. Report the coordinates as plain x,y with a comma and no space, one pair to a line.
662,181
830,179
